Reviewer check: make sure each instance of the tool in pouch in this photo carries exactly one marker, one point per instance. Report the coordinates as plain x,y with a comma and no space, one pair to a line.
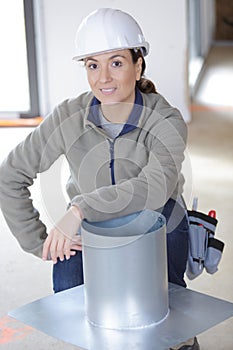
205,251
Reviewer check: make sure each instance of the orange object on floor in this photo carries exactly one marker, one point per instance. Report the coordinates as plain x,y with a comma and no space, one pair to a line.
12,331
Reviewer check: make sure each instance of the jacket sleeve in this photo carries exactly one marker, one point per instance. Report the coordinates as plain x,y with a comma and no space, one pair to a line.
156,182
17,173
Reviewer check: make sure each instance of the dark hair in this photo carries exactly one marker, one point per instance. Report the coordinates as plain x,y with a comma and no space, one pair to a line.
144,85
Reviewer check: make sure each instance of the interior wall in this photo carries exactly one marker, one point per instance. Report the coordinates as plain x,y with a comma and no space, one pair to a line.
164,26
208,20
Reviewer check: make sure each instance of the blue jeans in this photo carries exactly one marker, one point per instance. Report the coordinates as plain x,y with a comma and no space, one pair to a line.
69,273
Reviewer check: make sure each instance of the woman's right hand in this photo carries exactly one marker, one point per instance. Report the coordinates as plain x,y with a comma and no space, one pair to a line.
63,239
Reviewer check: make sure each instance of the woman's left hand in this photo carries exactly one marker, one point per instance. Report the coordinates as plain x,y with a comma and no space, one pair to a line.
63,239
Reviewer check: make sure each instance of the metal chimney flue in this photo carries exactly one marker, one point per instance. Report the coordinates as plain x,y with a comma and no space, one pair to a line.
125,271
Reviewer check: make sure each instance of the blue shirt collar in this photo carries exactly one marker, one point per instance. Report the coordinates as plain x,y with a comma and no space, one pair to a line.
133,118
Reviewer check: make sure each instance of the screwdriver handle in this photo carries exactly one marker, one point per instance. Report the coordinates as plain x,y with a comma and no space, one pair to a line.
212,214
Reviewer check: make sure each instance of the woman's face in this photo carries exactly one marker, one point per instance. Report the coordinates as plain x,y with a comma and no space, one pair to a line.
112,76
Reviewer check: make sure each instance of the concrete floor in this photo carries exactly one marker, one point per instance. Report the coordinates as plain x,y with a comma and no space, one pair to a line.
216,87
25,278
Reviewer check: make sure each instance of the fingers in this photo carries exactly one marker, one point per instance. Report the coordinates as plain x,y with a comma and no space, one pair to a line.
67,249
59,249
62,238
76,247
53,246
46,248
77,243
77,240
59,246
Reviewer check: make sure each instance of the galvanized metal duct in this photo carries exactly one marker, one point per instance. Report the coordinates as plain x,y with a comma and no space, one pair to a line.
125,271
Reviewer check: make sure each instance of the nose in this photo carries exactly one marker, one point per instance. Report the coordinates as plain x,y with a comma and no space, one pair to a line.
105,74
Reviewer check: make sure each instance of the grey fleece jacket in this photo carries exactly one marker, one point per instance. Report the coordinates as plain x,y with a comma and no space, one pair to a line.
139,169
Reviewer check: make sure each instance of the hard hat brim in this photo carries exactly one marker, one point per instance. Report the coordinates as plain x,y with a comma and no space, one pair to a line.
144,48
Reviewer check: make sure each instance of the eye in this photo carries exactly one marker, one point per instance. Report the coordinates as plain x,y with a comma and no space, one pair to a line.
92,66
117,64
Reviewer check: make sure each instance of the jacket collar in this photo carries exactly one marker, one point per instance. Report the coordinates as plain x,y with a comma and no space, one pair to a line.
133,119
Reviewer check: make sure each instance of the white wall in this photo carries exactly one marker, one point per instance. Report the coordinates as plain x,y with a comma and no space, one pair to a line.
207,25
163,23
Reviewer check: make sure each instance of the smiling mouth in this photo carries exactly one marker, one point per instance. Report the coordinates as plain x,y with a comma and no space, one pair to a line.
107,91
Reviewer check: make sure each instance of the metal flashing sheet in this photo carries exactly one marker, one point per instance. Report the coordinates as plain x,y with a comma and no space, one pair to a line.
63,316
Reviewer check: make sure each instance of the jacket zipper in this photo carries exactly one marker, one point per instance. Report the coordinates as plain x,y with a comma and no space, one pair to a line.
111,164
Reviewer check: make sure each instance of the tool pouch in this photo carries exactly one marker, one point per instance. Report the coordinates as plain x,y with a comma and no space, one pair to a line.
205,250
213,254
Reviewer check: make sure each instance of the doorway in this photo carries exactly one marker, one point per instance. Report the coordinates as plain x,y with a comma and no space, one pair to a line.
210,28
224,20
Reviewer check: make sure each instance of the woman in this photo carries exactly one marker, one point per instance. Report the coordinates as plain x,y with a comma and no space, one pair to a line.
124,144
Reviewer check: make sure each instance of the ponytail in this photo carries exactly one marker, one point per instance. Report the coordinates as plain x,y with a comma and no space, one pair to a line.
145,85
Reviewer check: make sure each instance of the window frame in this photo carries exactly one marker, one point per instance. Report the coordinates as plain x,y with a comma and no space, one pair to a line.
31,61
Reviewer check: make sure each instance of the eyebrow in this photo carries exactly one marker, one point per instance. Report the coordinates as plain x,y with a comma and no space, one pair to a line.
110,58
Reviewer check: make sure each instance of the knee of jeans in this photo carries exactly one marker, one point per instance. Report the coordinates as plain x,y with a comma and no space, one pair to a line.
68,273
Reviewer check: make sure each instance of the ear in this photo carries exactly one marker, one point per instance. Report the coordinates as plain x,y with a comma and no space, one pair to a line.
138,68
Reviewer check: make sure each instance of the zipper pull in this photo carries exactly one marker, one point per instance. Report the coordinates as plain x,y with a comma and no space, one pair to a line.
111,163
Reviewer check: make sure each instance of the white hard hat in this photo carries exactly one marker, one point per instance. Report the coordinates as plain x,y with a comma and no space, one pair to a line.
108,29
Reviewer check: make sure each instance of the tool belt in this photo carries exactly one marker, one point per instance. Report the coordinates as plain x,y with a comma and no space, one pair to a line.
205,251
